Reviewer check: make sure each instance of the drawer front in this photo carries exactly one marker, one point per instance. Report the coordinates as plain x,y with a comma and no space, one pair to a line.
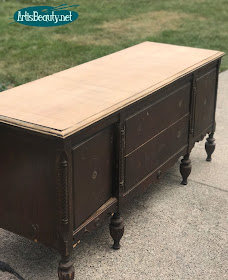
92,175
151,121
151,155
205,101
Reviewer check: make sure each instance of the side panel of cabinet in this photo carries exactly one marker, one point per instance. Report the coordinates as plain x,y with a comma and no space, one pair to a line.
28,185
206,87
92,174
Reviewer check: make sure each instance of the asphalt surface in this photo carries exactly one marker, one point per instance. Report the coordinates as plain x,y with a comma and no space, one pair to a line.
171,231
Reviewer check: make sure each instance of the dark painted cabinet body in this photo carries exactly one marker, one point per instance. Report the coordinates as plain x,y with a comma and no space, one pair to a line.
152,134
53,190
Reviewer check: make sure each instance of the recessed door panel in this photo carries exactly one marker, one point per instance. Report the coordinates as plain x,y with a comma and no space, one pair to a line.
205,101
92,175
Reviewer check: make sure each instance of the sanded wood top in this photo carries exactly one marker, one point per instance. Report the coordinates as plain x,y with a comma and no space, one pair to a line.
70,100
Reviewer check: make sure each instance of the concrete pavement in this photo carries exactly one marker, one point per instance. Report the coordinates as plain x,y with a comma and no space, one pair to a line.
171,231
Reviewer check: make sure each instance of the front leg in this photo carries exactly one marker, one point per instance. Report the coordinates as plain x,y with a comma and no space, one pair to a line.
185,169
210,146
66,269
116,228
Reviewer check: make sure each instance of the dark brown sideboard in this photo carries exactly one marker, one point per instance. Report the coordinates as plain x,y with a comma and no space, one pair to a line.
77,144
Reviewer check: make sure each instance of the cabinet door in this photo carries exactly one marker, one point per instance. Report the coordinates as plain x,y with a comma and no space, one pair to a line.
206,87
92,175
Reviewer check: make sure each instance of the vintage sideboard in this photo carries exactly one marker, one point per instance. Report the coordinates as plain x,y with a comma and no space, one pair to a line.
76,145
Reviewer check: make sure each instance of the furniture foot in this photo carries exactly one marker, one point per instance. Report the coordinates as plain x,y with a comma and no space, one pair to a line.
210,146
185,169
116,228
66,269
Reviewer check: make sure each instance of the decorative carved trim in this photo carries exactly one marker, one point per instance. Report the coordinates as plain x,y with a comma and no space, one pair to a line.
121,159
122,131
64,189
216,93
193,103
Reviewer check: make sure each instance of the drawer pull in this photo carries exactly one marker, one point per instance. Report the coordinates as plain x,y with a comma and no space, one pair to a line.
178,133
94,176
159,174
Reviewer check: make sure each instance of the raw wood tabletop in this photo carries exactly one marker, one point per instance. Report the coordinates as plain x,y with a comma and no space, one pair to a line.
70,100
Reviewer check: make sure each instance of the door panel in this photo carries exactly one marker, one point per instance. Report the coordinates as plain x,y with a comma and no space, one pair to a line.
92,173
205,101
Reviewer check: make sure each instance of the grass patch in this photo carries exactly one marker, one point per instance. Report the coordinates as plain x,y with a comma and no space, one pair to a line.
105,26
140,26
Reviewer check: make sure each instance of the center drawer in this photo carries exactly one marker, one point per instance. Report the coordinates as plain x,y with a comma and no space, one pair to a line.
155,152
157,117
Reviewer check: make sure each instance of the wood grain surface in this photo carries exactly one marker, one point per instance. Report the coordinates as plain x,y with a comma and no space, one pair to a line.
70,100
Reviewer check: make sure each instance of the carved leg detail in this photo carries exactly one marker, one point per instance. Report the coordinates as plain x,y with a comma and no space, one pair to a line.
210,146
66,269
185,169
116,228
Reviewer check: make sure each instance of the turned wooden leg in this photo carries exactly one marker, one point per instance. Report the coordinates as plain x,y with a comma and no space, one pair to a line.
66,269
210,146
185,169
116,228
